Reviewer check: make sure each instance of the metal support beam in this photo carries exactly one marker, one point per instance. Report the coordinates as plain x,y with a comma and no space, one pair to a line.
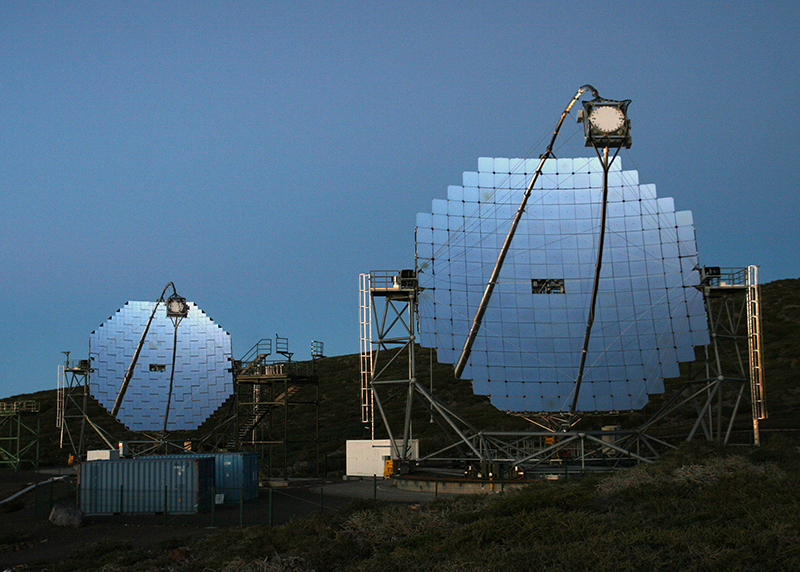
487,294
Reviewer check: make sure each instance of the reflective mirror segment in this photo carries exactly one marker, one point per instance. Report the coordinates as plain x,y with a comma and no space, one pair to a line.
649,313
202,379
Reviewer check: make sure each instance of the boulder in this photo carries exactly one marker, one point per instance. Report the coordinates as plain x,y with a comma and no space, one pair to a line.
65,515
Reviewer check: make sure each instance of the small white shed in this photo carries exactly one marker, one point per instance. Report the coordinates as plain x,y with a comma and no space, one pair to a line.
367,458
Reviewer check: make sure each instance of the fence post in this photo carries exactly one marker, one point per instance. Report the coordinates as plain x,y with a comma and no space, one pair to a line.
374,487
121,495
36,509
270,506
321,499
37,501
436,487
213,506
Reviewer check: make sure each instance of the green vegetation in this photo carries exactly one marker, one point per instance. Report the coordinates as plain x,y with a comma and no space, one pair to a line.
699,508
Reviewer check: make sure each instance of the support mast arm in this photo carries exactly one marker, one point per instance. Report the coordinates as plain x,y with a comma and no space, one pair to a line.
129,374
476,322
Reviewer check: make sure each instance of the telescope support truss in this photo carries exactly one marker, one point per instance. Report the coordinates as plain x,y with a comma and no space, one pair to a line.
19,436
732,361
734,357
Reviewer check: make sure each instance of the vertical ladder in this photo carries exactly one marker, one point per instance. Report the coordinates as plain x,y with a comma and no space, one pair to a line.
61,401
365,327
754,339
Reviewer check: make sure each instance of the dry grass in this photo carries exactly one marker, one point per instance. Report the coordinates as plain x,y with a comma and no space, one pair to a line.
695,474
274,563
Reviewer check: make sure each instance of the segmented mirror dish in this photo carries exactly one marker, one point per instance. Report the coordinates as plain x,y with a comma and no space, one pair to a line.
649,315
202,379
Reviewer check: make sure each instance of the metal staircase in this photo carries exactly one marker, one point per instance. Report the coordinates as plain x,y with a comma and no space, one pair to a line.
260,409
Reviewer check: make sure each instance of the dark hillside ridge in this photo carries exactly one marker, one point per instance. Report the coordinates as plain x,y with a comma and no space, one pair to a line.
339,386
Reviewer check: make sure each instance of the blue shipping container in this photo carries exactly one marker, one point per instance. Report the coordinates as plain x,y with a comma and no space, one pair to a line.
147,486
236,473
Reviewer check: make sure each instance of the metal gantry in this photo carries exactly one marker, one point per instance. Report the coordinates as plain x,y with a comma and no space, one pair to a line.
507,453
394,327
72,394
392,356
19,435
730,363
72,401
392,298
733,358
266,394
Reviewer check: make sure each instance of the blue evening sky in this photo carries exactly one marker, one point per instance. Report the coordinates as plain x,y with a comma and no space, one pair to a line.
263,154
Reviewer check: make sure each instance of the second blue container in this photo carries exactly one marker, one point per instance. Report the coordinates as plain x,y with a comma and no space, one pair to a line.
236,473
